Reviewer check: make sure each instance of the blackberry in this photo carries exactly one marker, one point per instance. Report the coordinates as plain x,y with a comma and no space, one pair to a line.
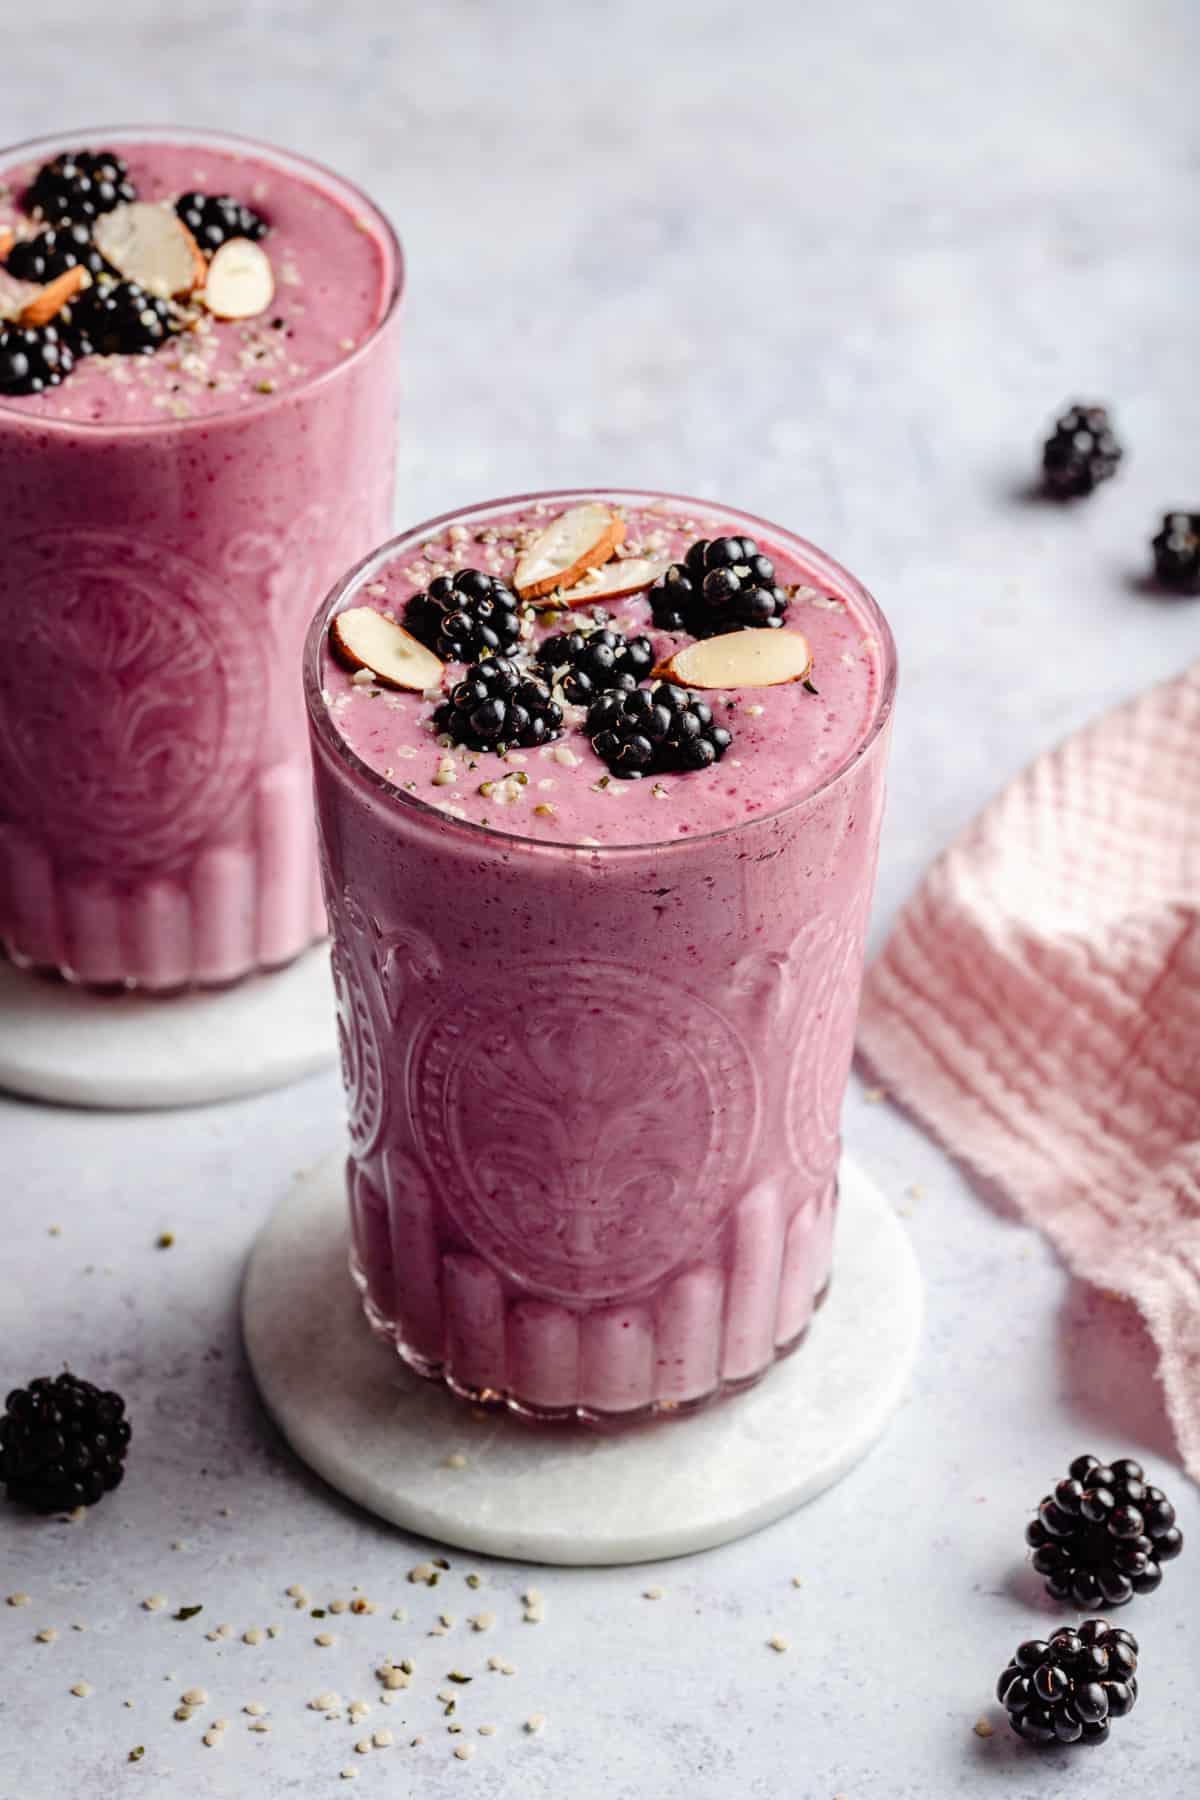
1177,552
118,318
79,184
32,360
465,618
55,250
1103,1534
1082,452
496,706
1066,1688
213,219
652,731
62,1443
589,662
723,584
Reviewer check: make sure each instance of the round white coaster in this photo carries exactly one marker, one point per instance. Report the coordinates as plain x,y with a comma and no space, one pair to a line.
59,1042
565,1494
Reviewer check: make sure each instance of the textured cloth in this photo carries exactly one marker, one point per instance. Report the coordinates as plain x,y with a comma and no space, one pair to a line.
1038,1006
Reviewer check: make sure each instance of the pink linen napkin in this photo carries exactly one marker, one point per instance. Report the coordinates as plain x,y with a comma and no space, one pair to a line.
1038,1006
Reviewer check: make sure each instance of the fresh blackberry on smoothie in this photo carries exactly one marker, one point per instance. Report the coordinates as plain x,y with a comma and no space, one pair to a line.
1065,1689
1177,552
496,707
1103,1534
33,359
55,250
652,731
80,184
119,318
587,663
1081,452
213,219
62,1443
465,617
723,584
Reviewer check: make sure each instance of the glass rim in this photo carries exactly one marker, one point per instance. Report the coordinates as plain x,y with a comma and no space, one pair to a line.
216,137
326,731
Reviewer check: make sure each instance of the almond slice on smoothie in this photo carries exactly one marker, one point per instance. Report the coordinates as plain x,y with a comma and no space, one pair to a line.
49,300
580,539
740,659
15,296
362,638
8,238
151,245
241,282
615,581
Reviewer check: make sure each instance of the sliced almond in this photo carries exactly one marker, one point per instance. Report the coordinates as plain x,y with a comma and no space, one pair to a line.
613,582
240,282
7,239
151,245
52,297
362,638
578,540
15,296
740,659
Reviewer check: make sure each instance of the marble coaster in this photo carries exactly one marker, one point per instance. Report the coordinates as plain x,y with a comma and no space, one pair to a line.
62,1043
393,1442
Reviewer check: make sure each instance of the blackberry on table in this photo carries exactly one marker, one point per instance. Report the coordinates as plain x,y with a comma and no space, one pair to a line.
213,219
62,1443
1081,452
1066,1688
465,617
80,184
1103,1534
495,707
723,584
654,731
55,250
589,662
33,359
119,318
1177,552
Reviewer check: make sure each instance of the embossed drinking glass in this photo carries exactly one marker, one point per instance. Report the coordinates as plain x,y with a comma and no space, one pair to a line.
594,1137
156,580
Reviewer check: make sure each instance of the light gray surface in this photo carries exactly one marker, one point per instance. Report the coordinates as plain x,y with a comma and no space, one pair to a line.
409,1451
837,263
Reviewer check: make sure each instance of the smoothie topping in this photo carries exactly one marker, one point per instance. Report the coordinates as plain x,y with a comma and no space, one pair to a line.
241,282
740,659
362,638
653,730
583,538
615,581
465,617
52,252
723,584
213,219
32,360
497,706
585,663
150,245
80,184
48,301
119,318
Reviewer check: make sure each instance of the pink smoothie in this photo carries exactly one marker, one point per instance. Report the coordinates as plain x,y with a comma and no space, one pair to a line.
169,523
596,1033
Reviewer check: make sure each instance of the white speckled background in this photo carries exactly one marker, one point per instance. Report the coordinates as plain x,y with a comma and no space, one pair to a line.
837,264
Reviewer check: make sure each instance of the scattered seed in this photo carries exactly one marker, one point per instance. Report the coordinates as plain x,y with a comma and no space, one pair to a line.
184,1713
188,1612
20,1600
350,1773
325,1639
154,1603
456,1460
255,1708
48,1636
253,1636
487,1731
984,1728
82,1689
653,1593
535,1723
259,1725
339,1606
482,1621
195,1696
164,1240
464,1752
778,1642
797,1581
137,1755
325,1702
362,1747
381,1739
474,1581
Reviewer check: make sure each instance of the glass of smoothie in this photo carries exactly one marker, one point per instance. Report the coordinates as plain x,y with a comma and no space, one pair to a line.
599,780
197,413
